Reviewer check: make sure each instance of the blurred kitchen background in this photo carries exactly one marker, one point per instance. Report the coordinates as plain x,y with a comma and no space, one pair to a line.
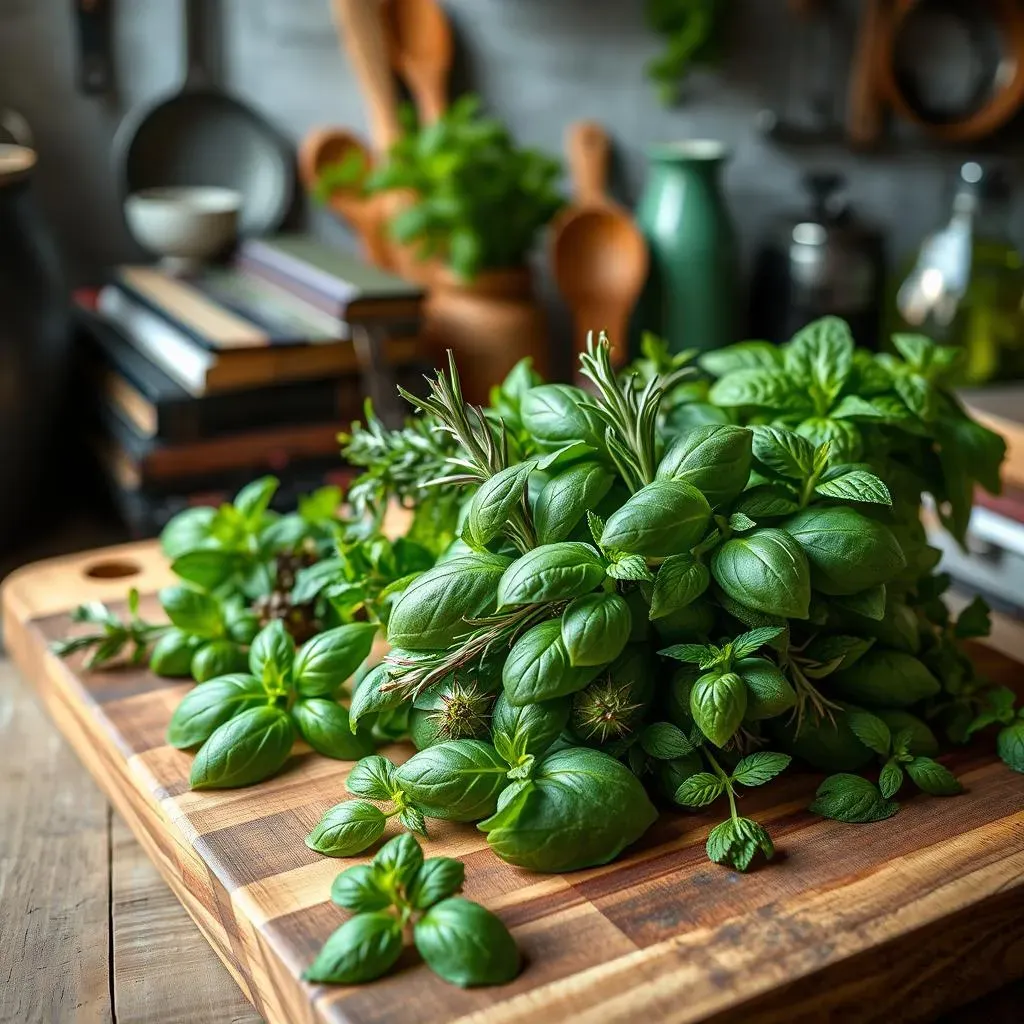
850,148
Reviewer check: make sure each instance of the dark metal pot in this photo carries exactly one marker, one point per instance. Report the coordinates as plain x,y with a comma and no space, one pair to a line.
34,342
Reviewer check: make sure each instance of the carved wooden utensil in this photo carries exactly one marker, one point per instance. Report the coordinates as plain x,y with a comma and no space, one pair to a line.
420,47
598,254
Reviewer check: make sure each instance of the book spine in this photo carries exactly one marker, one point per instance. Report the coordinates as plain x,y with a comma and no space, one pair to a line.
301,289
299,270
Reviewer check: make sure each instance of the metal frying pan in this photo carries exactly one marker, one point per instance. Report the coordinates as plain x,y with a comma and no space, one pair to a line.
202,136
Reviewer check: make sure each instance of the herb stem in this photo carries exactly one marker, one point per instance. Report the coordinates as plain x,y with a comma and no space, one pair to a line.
726,782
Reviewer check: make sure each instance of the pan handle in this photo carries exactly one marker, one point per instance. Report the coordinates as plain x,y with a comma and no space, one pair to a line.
95,74
197,71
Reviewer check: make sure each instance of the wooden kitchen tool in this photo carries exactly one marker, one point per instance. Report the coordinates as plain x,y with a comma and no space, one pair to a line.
324,147
598,254
865,114
420,47
871,923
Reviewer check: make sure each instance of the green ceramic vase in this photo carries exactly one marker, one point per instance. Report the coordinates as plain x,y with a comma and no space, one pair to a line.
691,294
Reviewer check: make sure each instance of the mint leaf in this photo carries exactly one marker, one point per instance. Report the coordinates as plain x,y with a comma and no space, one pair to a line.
747,643
760,767
736,842
854,485
850,798
629,567
890,779
975,620
699,790
691,654
783,451
871,731
933,778
1010,744
665,741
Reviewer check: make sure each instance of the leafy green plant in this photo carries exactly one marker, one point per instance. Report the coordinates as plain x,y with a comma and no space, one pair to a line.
108,643
398,892
694,35
479,199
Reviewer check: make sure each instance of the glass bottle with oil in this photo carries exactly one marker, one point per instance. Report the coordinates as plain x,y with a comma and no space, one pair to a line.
967,285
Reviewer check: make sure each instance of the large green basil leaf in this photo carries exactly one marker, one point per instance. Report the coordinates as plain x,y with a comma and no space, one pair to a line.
458,780
847,551
555,414
714,458
885,679
744,355
466,944
362,949
552,572
324,725
565,499
537,667
718,701
765,570
347,829
207,568
437,878
767,389
493,502
769,692
358,889
783,451
206,707
433,609
851,482
218,658
829,745
842,436
820,357
690,624
187,531
664,518
272,655
247,748
193,612
367,697
581,808
595,629
331,657
521,732
681,579
173,652
922,740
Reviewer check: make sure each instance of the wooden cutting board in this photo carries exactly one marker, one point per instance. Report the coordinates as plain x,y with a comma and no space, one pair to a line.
883,922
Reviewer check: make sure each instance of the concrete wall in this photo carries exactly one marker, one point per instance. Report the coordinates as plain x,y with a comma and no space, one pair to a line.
537,63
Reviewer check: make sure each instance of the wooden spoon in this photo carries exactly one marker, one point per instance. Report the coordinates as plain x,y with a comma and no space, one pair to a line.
324,147
420,46
864,111
598,254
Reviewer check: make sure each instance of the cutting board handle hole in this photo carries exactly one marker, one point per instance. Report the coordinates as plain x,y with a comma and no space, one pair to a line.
112,570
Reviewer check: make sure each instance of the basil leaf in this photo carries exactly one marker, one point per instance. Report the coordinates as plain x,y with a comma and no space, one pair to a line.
466,944
556,414
680,580
595,629
368,697
193,612
847,551
842,437
433,609
760,767
494,501
918,395
821,357
922,739
325,662
765,570
581,808
358,889
872,732
661,519
890,778
975,620
372,777
207,568
565,498
1010,745
744,355
272,655
438,878
172,654
852,484
324,725
870,603
933,778
521,732
853,799
458,780
312,580
737,841
714,458
629,567
218,658
699,790
207,707
537,667
769,692
398,860
347,829
551,572
362,949
768,501
885,679
718,702
771,389
783,451
248,748
412,818
253,500
187,531
836,652
665,741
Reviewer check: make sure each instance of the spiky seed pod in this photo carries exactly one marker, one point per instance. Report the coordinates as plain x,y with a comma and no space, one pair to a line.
604,711
464,713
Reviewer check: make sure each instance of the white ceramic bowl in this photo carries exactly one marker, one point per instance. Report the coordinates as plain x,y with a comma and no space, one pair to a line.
186,224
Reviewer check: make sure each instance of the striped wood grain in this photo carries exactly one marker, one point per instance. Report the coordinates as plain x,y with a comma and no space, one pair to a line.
889,921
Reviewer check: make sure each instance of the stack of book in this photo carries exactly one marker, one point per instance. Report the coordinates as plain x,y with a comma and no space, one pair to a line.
208,380
992,561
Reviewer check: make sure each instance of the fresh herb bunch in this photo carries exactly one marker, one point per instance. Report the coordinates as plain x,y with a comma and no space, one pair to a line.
109,643
479,198
694,31
399,891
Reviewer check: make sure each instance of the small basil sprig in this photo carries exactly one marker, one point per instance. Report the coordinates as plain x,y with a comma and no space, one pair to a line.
460,941
245,724
110,642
